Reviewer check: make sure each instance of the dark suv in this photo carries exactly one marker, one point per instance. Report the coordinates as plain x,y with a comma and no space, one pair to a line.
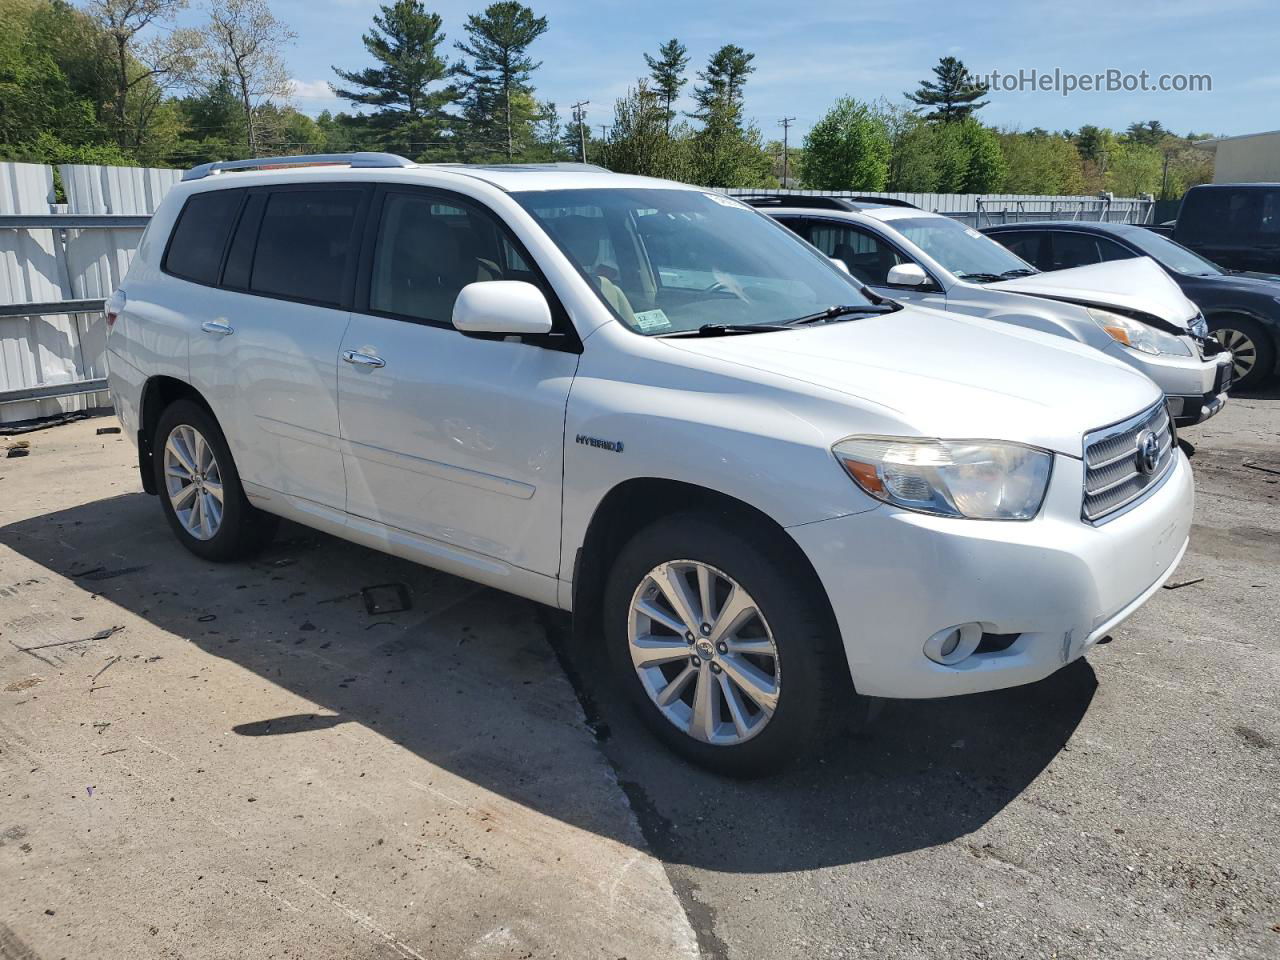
1236,225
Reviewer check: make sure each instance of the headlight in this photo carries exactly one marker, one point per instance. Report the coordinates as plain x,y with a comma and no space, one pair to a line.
1136,334
977,479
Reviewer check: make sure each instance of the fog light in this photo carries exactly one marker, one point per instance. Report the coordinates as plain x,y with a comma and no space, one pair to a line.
953,644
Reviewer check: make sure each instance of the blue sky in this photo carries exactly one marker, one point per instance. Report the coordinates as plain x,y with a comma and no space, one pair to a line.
808,54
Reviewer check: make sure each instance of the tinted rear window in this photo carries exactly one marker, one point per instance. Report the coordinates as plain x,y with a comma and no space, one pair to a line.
304,244
195,252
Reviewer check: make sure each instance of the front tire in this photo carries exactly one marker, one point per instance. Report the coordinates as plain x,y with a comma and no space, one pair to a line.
725,647
199,487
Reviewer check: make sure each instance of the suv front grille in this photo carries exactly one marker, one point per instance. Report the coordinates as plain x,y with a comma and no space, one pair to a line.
1121,465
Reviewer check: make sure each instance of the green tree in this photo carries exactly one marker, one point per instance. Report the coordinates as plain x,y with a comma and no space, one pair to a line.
912,168
848,149
953,94
667,71
1151,133
499,72
640,140
725,151
244,41
404,41
1134,168
986,167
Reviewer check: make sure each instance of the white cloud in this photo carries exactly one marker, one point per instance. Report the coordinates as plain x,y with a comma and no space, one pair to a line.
310,89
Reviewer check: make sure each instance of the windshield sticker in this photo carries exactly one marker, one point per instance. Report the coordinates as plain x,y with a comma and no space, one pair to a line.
648,320
726,201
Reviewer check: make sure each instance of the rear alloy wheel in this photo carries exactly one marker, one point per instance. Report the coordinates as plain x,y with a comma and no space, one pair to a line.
193,482
200,489
703,652
1252,350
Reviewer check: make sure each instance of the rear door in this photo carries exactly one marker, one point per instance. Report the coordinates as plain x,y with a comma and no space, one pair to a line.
453,437
267,353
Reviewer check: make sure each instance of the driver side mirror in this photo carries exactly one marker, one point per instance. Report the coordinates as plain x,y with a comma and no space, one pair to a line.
907,275
510,307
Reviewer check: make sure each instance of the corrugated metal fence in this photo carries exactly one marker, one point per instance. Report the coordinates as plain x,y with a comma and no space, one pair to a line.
57,262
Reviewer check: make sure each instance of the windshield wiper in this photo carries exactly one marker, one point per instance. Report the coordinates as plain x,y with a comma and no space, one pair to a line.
980,277
726,329
843,310
1017,272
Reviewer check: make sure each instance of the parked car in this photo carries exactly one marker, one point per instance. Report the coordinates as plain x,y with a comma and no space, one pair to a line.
767,492
1236,225
1131,311
1242,310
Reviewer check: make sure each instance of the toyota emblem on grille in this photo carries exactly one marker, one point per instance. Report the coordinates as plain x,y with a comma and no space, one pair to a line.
1148,452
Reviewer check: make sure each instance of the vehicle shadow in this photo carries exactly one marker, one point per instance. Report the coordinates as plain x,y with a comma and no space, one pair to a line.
461,681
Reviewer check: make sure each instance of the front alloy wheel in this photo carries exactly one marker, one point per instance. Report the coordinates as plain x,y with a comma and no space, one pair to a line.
703,652
193,482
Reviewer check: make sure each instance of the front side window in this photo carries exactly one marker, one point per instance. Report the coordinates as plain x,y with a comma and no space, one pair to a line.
668,260
195,252
962,250
304,244
1074,250
428,250
868,258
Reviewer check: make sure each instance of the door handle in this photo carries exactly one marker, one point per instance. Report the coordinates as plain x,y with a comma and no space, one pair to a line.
363,359
219,327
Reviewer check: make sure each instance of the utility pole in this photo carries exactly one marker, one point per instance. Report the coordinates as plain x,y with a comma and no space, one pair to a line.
785,123
580,116
604,131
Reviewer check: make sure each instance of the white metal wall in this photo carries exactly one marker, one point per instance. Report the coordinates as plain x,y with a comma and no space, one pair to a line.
50,265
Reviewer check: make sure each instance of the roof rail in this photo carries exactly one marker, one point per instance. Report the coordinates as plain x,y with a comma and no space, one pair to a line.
569,165
883,201
805,200
354,160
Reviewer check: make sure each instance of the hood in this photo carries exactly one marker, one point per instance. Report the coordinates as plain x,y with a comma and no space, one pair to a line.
1263,284
1139,285
944,375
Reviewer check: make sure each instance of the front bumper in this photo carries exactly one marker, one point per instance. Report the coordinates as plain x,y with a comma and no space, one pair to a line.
895,578
1196,387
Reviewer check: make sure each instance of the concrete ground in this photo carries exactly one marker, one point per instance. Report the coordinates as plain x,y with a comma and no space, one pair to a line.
207,761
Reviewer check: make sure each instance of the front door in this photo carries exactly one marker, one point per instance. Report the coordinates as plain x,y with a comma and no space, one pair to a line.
453,437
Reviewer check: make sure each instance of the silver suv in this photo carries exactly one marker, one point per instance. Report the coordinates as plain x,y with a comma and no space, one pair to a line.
1129,309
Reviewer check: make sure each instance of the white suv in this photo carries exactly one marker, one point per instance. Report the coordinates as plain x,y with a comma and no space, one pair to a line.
653,406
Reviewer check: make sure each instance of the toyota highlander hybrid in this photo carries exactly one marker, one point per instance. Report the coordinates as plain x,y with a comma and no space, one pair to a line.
767,492
1129,309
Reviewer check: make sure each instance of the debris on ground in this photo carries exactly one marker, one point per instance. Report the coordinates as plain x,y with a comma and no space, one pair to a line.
13,429
1254,465
98,573
111,663
19,449
1183,583
386,598
102,431
19,685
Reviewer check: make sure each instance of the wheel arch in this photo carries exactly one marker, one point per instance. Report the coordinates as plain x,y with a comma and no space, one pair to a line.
635,503
158,394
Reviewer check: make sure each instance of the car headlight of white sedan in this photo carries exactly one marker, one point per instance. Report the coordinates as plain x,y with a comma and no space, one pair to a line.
974,479
1138,335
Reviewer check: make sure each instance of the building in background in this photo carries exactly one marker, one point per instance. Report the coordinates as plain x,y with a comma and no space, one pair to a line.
1249,158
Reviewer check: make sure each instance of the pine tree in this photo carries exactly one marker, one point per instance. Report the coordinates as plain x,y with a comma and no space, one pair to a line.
954,94
496,87
667,70
725,152
404,41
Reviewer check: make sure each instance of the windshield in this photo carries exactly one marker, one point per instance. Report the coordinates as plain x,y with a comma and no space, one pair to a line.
668,261
1173,256
962,250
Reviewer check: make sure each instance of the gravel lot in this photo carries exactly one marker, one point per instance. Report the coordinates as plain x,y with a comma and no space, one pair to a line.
255,766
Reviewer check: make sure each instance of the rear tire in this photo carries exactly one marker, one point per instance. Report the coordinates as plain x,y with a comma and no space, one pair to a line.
199,487
1254,345
783,667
